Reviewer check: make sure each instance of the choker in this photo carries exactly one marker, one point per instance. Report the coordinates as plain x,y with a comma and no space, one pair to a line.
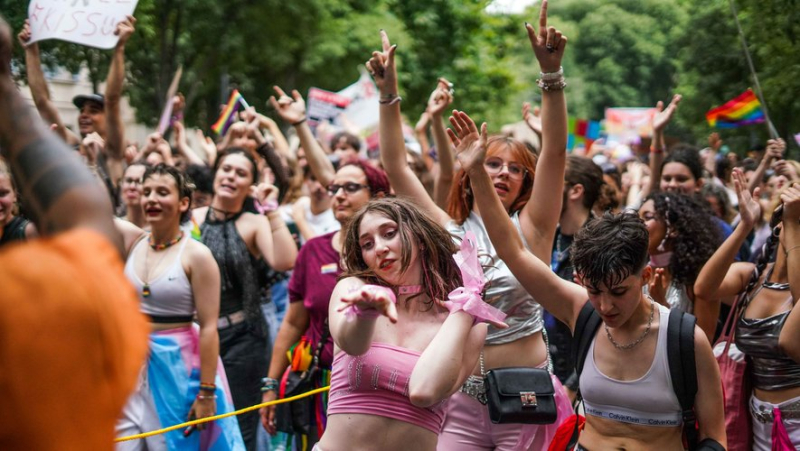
409,289
660,260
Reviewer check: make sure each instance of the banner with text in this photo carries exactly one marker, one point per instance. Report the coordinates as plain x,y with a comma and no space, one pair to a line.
87,22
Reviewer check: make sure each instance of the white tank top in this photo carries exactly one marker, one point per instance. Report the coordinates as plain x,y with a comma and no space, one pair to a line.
648,401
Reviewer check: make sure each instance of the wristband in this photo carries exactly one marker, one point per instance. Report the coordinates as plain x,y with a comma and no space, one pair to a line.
267,207
656,150
392,101
269,384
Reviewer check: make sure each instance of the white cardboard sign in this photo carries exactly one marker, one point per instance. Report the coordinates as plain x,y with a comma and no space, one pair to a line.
87,22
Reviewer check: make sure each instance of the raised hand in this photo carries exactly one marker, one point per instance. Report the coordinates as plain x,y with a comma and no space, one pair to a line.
382,67
440,98
548,44
775,149
664,115
92,146
371,297
749,207
265,193
791,204
125,29
785,169
658,287
25,34
714,141
532,118
469,142
290,109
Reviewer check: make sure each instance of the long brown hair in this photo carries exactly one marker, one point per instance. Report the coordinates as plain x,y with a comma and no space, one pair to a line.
461,200
436,247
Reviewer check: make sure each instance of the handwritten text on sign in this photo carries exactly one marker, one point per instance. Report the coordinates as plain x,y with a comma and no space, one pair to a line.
88,22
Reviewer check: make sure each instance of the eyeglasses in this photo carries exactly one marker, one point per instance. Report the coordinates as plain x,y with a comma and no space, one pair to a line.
495,166
349,188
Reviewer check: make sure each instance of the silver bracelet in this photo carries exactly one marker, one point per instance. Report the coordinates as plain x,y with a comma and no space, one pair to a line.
551,76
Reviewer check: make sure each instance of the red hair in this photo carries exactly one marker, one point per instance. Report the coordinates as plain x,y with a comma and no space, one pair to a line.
460,200
376,179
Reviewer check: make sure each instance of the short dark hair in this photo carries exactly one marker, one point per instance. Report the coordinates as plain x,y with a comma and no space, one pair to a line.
185,187
202,176
585,172
688,156
609,249
349,138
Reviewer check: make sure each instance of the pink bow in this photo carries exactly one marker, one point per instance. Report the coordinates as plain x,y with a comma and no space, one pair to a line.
468,297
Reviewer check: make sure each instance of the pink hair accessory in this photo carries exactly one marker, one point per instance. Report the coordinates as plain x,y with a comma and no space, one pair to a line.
468,298
266,207
353,311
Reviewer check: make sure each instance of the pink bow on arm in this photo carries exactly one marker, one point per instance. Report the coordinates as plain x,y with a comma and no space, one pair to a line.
468,297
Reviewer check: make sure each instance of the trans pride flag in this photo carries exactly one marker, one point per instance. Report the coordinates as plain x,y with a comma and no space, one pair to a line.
229,113
743,110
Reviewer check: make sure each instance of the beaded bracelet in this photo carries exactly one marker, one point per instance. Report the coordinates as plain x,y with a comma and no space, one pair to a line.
270,384
552,76
551,85
206,396
656,150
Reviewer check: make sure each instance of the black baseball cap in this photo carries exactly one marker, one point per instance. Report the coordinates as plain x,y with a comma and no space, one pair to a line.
81,99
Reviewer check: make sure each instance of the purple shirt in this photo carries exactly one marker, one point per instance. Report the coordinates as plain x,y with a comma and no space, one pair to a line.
313,280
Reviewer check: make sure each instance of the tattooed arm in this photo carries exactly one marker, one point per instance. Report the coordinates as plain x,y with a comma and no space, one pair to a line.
58,189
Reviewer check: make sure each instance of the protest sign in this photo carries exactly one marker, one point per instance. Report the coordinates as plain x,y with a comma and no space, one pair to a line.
325,105
87,22
166,115
628,124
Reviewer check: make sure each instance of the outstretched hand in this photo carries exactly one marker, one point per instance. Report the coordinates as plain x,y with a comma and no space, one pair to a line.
469,142
382,67
370,297
125,29
749,207
664,115
548,44
290,109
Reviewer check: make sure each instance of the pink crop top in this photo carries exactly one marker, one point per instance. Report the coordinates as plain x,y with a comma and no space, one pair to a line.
376,383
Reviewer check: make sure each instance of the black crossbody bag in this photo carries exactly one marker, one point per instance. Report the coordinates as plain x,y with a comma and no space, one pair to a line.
521,394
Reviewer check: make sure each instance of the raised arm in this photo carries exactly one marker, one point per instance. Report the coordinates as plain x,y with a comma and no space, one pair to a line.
775,149
274,241
60,192
39,89
440,99
708,404
659,145
293,111
182,145
539,217
789,339
720,276
393,148
115,130
561,298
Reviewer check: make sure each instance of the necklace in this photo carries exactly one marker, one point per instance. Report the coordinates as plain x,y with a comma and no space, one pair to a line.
774,285
638,340
146,292
559,252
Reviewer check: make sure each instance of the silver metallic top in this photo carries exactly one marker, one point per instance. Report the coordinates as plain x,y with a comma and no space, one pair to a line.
502,288
772,369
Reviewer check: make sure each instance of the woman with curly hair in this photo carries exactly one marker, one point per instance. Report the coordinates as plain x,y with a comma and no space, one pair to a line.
683,235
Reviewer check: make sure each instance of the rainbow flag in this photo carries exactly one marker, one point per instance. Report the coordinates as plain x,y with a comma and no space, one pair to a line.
743,110
229,113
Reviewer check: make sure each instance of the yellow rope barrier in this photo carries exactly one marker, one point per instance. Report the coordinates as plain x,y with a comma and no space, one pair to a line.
224,415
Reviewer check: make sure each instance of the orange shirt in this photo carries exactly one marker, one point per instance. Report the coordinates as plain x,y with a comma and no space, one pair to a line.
72,342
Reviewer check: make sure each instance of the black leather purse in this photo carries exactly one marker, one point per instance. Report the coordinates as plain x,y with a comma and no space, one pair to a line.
520,395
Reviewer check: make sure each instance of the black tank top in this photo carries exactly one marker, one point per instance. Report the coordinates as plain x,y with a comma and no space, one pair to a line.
238,270
14,230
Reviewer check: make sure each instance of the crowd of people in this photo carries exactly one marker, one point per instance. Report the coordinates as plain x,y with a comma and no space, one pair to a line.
450,294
